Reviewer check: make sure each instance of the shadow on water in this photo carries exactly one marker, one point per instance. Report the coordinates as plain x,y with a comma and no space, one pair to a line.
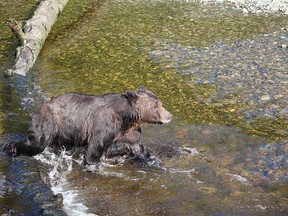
20,97
13,91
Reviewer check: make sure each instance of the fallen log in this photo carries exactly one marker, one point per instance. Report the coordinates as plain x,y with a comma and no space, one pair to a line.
33,34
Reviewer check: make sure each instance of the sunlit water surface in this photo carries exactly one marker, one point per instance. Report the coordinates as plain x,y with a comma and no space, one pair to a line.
223,75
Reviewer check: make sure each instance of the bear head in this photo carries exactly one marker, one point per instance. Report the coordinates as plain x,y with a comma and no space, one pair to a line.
148,107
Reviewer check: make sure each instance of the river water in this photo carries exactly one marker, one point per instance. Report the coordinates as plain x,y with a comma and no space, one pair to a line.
221,70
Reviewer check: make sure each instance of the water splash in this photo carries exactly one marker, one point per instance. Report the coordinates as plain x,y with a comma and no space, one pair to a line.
61,167
101,169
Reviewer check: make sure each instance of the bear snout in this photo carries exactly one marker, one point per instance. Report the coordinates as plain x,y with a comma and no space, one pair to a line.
165,116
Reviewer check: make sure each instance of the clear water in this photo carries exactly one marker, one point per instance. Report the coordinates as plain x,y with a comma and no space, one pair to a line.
226,151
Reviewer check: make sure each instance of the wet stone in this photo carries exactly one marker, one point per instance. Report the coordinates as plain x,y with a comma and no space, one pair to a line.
265,97
25,186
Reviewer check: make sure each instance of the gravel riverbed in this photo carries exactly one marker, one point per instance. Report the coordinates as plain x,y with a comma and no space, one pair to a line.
251,72
257,5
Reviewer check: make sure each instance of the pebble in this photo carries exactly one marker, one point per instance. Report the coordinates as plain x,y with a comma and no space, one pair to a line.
254,71
245,10
265,97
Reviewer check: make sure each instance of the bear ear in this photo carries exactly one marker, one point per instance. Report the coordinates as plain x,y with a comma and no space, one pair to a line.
131,95
142,89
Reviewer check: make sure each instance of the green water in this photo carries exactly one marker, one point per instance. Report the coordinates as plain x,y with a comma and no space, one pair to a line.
12,118
98,47
108,48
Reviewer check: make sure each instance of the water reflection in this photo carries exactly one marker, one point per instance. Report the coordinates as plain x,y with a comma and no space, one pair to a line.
12,118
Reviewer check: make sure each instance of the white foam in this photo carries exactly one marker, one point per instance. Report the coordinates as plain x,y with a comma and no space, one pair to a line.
190,151
261,207
101,168
190,173
62,166
239,178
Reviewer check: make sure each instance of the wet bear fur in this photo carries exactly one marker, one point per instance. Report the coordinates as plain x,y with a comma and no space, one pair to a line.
130,145
96,122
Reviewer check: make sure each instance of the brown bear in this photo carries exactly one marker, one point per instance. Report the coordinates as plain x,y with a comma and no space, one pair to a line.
96,122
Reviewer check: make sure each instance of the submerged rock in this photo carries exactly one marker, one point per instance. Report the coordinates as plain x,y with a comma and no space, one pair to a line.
25,187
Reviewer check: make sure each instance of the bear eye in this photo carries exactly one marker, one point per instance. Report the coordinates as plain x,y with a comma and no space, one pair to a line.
158,104
155,105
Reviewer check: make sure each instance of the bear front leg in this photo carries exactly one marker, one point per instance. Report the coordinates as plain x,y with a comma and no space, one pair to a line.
100,139
93,154
96,148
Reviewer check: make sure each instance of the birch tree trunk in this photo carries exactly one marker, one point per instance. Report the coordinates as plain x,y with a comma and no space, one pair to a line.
34,34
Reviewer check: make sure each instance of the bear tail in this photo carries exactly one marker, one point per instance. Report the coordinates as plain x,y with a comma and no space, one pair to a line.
21,148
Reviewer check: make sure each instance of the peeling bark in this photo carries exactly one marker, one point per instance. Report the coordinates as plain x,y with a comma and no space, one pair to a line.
34,34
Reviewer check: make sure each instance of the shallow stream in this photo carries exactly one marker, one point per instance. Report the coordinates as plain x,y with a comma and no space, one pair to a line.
221,71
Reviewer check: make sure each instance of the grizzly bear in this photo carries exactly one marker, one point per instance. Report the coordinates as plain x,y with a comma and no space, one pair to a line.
96,122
